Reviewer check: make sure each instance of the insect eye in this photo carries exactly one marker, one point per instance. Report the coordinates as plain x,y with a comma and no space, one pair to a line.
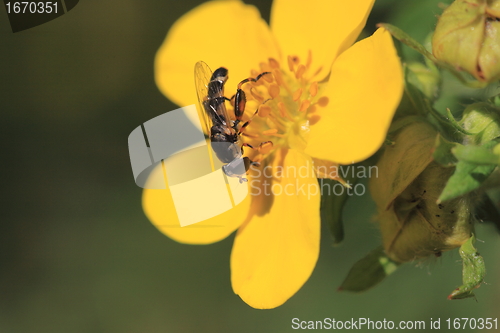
220,74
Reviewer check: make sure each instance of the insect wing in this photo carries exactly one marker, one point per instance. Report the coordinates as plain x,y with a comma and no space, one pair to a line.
202,75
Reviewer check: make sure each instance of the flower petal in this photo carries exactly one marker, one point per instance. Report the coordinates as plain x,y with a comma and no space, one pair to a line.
365,87
325,27
276,251
158,204
221,33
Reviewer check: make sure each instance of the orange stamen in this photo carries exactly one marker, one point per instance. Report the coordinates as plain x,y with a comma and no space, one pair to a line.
304,105
282,108
278,77
297,94
264,67
255,95
323,101
313,89
264,110
300,71
313,119
274,90
274,63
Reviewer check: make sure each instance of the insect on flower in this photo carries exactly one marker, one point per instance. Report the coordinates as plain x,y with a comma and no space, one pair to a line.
223,130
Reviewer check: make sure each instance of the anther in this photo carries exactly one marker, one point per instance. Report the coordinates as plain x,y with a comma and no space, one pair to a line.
278,77
300,71
323,101
274,63
255,95
313,89
274,90
264,67
268,78
313,119
297,94
264,110
304,105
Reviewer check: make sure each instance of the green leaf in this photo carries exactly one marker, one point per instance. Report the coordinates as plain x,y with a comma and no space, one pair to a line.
473,271
442,152
468,176
369,271
406,39
476,155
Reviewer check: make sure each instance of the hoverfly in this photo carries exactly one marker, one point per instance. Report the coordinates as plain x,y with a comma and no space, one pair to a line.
224,131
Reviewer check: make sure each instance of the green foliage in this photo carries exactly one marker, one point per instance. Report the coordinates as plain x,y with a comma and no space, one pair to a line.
369,271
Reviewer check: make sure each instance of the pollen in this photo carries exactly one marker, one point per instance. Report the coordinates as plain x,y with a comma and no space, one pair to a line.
288,99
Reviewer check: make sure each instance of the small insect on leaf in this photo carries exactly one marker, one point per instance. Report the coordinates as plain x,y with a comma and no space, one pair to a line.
472,272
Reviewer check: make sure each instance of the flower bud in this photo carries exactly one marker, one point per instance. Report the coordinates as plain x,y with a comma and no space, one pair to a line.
467,36
482,119
412,224
424,78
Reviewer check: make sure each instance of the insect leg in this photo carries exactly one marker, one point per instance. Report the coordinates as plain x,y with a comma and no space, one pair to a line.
263,147
251,79
240,96
245,124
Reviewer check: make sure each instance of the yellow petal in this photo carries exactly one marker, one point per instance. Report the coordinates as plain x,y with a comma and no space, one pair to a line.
221,33
326,27
276,251
158,204
364,91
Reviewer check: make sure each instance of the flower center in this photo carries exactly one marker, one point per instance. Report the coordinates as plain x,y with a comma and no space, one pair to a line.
287,102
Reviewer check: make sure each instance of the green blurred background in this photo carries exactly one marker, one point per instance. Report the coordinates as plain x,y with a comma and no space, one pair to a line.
77,252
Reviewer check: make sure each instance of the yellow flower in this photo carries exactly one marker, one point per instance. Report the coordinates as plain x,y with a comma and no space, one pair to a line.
332,102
